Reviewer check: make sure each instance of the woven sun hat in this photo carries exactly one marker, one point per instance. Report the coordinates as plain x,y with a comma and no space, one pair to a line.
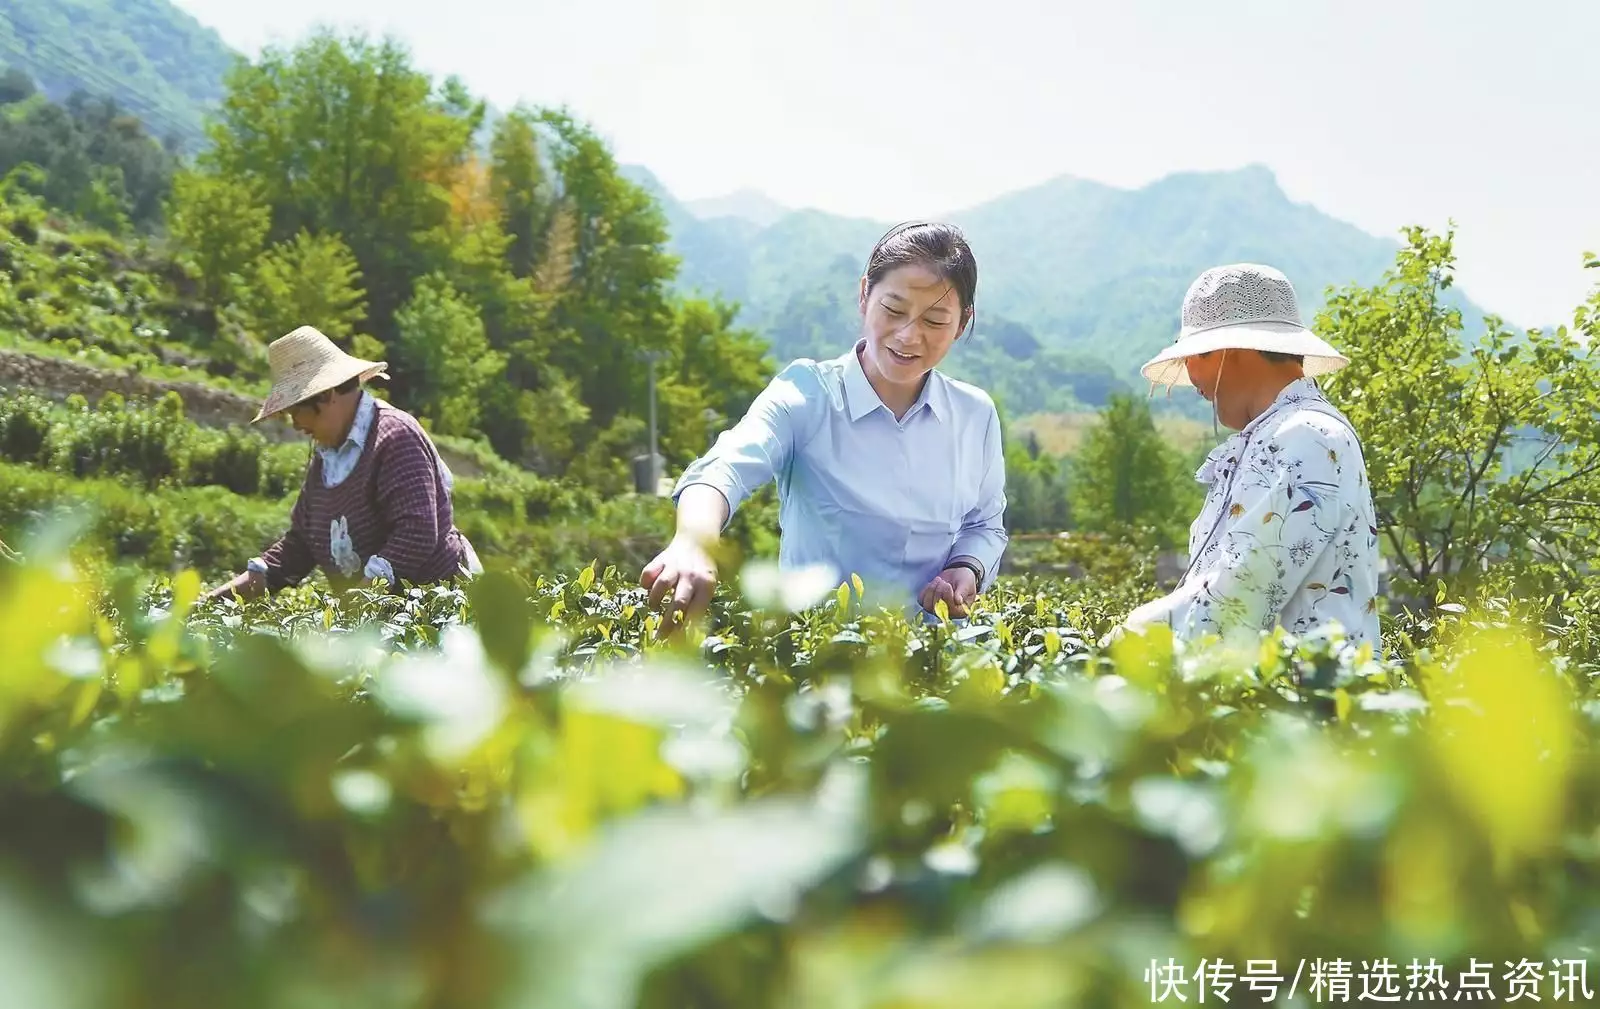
1243,306
304,363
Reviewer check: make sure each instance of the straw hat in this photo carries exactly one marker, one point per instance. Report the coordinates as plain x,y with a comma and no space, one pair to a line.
1243,306
304,363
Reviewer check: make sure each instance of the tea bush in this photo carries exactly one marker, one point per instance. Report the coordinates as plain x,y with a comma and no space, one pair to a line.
83,290
151,443
511,793
73,455
207,528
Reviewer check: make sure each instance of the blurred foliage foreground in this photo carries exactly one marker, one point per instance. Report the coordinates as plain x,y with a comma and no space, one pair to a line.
512,795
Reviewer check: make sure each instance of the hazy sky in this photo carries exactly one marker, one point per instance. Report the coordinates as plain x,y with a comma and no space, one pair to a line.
1381,113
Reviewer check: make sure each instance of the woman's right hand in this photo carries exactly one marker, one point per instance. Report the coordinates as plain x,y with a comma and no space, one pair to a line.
686,571
248,585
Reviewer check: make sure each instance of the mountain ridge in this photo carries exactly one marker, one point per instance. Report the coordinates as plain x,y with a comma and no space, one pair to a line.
152,57
1079,280
1081,263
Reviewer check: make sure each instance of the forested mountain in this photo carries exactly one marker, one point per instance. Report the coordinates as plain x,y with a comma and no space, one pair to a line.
1079,282
150,57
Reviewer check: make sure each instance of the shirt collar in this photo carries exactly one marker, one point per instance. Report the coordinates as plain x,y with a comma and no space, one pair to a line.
366,409
861,399
1298,391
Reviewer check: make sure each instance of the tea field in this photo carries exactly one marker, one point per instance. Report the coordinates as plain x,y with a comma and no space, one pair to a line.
511,793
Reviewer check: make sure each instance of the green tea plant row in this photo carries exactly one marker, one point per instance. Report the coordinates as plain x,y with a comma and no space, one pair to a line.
207,528
215,531
90,295
152,444
512,793
135,464
155,444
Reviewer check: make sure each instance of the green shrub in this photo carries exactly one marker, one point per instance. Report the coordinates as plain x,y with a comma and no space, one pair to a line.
24,428
512,793
207,528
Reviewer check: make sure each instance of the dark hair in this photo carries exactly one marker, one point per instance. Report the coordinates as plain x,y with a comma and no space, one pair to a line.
940,247
316,401
1278,357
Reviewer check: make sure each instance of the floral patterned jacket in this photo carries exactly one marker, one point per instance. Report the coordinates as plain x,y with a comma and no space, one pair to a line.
1288,535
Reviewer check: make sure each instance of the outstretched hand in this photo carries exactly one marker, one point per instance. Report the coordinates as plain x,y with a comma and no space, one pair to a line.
957,586
1153,612
683,576
248,586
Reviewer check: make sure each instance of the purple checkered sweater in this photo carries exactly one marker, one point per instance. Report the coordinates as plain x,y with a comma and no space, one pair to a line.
393,503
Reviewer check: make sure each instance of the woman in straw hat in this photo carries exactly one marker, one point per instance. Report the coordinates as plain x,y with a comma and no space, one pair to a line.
1288,534
376,498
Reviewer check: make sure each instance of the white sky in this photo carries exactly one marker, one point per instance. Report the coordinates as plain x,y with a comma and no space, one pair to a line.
1380,112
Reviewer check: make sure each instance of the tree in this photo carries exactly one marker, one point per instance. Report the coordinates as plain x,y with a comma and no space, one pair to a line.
442,344
221,223
1037,495
1477,451
15,86
1126,478
713,374
345,136
99,165
309,280
615,305
520,189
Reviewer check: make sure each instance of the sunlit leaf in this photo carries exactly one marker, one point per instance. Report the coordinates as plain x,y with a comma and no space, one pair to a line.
504,620
1038,906
659,884
453,693
1189,813
1502,729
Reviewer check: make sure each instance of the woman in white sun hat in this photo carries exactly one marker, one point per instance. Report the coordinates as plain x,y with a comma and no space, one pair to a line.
1288,534
376,501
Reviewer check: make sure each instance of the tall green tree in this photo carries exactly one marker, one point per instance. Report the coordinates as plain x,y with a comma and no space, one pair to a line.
220,224
345,136
1037,492
707,379
616,304
521,189
308,280
1127,479
1478,451
441,341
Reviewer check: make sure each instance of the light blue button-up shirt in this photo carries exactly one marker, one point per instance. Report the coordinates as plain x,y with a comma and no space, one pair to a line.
890,500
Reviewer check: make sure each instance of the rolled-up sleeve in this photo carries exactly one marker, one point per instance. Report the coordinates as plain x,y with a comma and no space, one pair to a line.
983,532
755,450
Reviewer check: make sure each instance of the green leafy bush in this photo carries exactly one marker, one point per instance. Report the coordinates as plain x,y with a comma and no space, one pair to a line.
207,528
153,444
510,793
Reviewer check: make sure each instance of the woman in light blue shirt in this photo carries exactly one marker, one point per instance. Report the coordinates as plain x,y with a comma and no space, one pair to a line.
885,467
